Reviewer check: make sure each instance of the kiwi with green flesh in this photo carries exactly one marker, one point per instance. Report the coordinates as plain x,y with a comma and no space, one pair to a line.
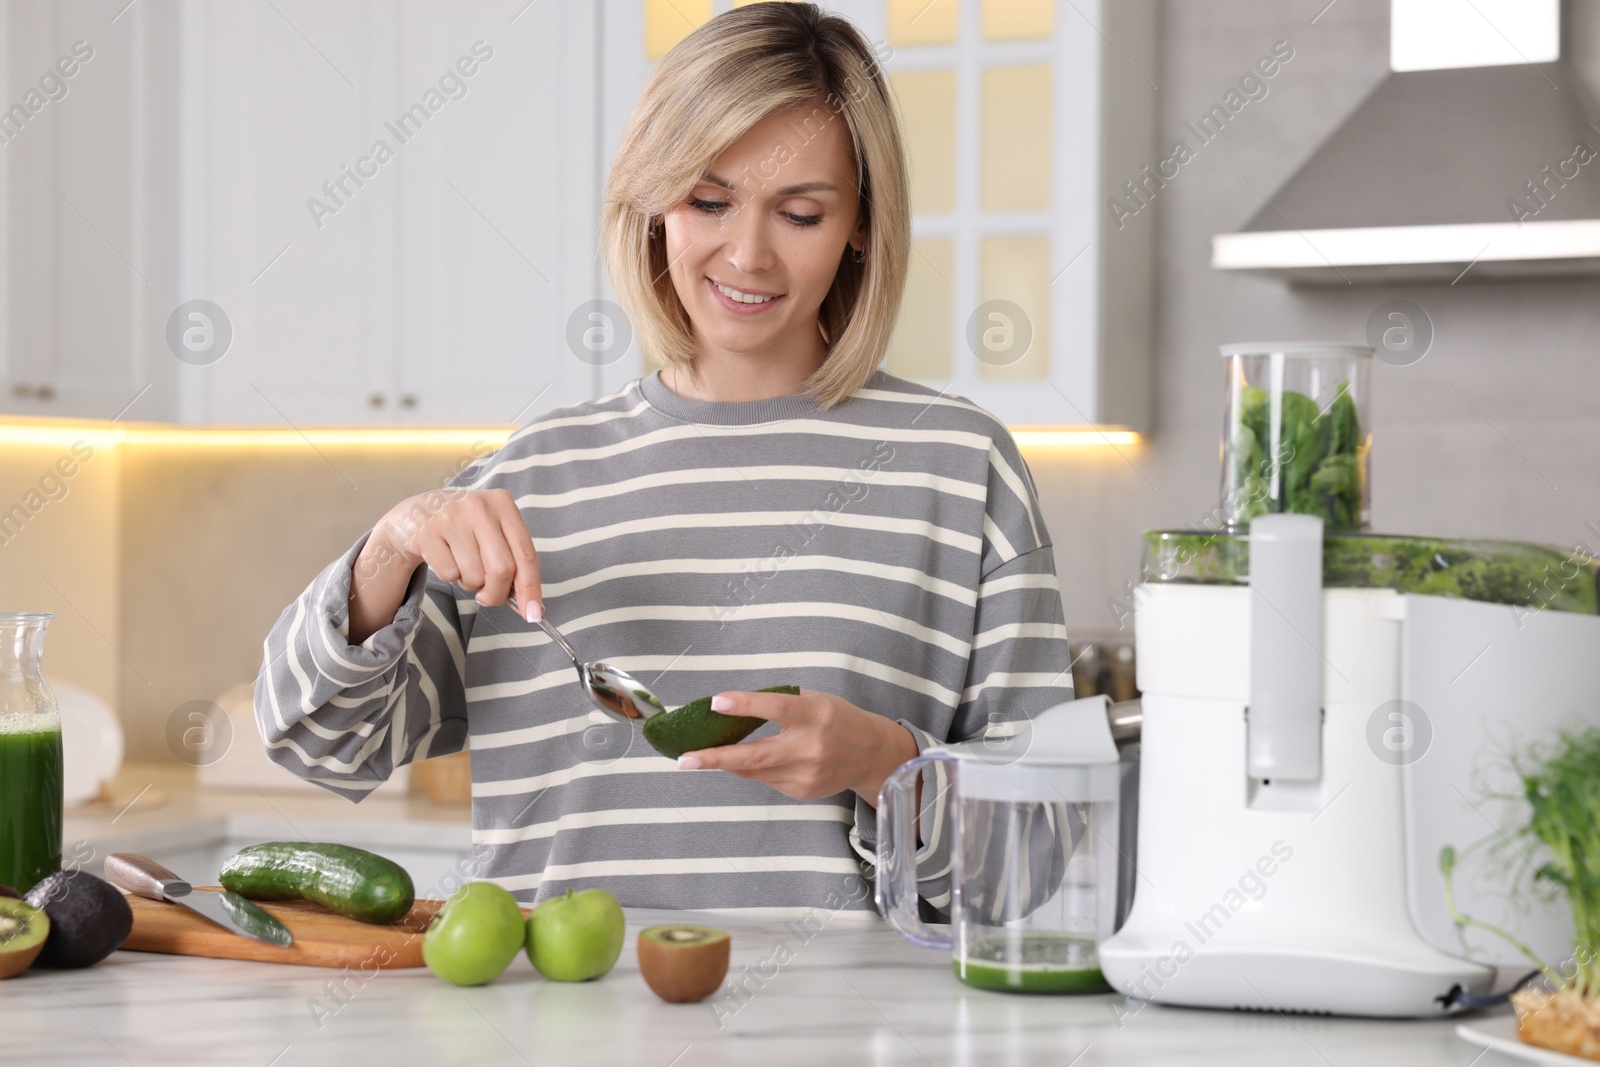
695,726
89,918
23,930
683,963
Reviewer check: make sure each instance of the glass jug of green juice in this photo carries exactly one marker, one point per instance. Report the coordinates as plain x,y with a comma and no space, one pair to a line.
1029,814
30,755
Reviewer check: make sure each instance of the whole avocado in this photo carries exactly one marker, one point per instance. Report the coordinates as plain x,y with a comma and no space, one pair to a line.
89,919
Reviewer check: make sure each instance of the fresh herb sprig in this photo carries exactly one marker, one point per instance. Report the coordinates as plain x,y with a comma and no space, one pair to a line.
1561,784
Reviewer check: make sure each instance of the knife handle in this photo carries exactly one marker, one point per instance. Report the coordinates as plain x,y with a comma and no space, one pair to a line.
143,876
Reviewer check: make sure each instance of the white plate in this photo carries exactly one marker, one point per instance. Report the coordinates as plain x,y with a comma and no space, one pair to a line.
91,742
1500,1033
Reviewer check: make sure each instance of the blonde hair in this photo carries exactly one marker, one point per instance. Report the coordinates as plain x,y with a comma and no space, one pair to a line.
726,76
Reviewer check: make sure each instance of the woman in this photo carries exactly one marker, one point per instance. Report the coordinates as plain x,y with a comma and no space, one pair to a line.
768,509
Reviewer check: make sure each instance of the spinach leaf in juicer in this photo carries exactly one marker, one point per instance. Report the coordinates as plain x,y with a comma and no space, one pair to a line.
1317,458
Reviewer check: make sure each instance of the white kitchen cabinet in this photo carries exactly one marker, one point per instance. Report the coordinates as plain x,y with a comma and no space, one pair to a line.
1019,135
393,208
499,213
275,100
230,153
77,274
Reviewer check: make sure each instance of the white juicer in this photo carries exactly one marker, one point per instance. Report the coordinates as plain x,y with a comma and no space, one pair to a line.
1325,711
1306,754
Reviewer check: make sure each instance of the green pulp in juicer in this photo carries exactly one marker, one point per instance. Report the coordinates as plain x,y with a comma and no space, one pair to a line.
30,806
1034,963
1492,572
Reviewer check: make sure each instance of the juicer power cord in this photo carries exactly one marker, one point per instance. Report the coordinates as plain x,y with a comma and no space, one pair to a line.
1460,998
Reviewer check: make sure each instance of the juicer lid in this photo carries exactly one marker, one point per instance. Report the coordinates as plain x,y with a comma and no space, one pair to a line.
1069,734
1295,349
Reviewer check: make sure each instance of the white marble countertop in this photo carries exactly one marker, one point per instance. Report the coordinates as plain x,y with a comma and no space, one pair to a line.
853,994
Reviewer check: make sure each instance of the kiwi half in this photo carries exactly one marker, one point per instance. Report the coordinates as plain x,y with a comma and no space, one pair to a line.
683,963
23,929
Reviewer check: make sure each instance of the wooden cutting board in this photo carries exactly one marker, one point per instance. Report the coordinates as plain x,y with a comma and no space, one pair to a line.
321,938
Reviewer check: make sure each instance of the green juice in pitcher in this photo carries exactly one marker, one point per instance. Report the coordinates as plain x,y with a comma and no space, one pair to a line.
30,756
30,804
1033,963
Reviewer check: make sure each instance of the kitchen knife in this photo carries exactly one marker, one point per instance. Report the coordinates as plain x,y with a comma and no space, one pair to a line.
147,878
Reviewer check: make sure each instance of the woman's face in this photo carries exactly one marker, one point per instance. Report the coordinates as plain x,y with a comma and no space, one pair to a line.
770,217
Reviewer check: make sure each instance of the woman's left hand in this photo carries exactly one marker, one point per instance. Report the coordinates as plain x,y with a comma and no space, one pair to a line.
826,745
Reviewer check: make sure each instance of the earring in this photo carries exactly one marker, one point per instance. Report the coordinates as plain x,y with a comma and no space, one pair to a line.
859,255
655,226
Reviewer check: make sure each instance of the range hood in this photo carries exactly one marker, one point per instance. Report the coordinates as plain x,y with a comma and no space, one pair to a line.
1477,158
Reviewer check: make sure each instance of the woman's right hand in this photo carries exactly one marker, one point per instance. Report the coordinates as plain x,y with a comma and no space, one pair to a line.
476,539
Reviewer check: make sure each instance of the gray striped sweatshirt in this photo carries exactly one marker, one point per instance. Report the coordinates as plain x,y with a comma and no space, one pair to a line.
888,550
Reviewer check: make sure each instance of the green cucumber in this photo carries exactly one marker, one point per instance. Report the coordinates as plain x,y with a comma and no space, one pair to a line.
695,726
349,881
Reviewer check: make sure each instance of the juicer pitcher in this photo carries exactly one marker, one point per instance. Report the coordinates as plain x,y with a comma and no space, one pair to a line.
1031,822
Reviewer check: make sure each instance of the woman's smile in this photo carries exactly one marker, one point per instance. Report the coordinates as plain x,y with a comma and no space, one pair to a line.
742,301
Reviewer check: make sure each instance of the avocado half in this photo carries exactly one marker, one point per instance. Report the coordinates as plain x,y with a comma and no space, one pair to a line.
682,963
695,726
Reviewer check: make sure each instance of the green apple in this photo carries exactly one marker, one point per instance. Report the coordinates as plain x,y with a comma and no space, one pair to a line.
475,936
577,936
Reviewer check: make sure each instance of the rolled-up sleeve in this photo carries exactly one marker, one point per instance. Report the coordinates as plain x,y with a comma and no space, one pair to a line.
345,716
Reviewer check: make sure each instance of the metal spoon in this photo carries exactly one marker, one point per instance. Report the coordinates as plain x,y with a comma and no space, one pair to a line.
613,691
